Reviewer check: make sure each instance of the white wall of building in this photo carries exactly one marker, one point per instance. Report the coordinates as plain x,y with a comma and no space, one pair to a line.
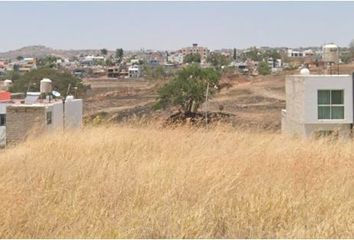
57,116
301,114
343,130
3,128
176,58
295,91
73,113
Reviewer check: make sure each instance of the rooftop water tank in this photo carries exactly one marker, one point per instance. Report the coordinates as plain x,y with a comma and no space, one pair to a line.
330,53
46,86
305,71
69,97
7,83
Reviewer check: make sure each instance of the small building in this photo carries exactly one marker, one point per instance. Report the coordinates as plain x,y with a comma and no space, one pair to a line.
113,72
134,71
275,64
318,105
175,58
37,113
28,64
19,120
195,49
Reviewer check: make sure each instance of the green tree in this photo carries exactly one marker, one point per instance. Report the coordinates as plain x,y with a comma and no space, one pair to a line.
188,87
12,75
272,54
217,60
351,45
119,55
48,61
192,58
346,57
104,51
235,54
60,79
253,54
109,62
263,68
19,58
154,72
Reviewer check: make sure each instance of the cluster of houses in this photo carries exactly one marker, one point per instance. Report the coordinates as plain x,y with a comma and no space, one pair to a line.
133,63
21,65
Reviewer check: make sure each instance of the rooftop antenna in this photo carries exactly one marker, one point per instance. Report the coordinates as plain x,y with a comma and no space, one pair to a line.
68,91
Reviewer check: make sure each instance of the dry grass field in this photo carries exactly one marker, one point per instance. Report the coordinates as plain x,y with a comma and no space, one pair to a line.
149,182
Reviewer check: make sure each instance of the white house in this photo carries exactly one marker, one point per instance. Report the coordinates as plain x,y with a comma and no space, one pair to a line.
175,58
318,105
134,71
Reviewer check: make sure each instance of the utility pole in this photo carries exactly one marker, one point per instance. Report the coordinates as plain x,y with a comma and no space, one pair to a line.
206,104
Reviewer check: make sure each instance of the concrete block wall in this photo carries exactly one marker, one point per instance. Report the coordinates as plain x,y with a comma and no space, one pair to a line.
23,121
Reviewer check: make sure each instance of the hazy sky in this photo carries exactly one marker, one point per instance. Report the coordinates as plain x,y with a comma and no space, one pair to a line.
171,25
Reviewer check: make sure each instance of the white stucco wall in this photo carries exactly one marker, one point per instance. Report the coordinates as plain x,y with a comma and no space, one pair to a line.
313,83
301,116
57,116
294,88
292,127
3,128
73,113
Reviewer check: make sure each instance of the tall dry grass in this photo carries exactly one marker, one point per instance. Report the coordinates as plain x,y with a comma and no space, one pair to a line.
148,182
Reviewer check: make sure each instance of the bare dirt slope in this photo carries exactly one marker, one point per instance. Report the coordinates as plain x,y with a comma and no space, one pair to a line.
255,101
252,102
110,97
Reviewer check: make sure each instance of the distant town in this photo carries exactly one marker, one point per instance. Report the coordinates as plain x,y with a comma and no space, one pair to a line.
124,64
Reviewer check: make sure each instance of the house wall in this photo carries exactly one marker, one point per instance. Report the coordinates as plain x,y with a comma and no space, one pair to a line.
3,128
295,90
23,121
73,113
291,127
344,130
301,116
313,83
57,116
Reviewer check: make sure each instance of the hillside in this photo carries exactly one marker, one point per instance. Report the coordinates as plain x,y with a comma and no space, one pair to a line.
149,182
39,51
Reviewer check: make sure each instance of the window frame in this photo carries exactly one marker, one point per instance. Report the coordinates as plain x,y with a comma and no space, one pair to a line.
330,105
2,119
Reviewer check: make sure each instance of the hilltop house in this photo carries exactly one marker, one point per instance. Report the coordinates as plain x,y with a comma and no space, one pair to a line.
318,105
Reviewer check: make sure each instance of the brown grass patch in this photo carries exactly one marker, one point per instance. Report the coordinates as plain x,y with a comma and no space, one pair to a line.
147,182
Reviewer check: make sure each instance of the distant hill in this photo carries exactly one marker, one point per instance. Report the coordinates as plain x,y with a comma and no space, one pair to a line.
39,51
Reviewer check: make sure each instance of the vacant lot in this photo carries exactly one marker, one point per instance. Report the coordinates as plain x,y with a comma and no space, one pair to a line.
148,182
252,101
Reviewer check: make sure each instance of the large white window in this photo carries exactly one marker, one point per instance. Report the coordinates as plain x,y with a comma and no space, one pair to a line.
330,104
